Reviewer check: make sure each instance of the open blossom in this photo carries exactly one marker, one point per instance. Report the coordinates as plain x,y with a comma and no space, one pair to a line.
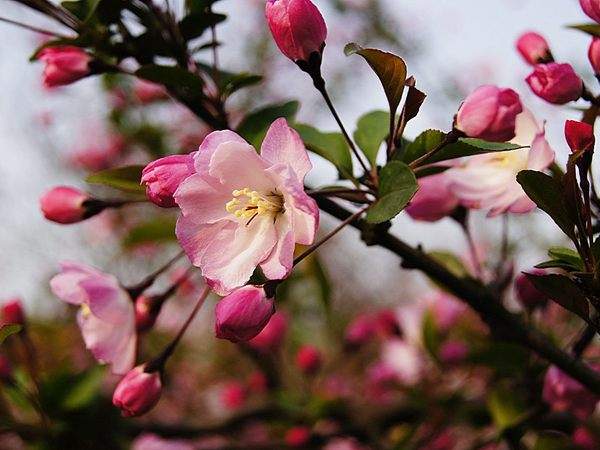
434,200
163,176
64,65
533,48
555,83
243,314
489,181
297,26
591,8
489,113
138,392
563,393
106,316
241,210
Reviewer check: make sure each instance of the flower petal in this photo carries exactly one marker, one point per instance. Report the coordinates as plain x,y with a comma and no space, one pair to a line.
282,145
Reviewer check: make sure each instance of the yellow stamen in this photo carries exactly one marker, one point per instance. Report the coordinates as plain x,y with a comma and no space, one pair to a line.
247,204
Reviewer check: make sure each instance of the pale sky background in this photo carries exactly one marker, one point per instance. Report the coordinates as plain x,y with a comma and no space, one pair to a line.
469,42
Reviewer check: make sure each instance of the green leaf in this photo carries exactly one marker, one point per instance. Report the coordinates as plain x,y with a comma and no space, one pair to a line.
196,23
390,69
371,131
504,358
562,290
255,125
331,146
451,262
593,29
430,139
171,76
156,231
554,441
431,335
239,81
567,256
506,406
7,330
85,390
125,179
547,194
397,186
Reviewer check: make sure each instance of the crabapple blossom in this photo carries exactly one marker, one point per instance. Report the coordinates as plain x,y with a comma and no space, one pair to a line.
453,352
243,314
64,65
360,331
241,210
308,359
489,113
147,92
12,313
555,83
591,8
434,200
579,136
534,48
297,26
64,204
233,395
489,181
298,436
563,393
138,392
272,335
106,315
163,176
594,55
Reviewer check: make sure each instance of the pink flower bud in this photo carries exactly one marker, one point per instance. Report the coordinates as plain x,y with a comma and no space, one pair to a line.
145,313
233,395
453,352
387,323
555,83
6,371
272,335
434,200
308,359
591,8
579,136
138,392
297,27
563,393
243,314
584,439
64,204
527,294
297,436
12,313
360,331
163,176
594,55
533,48
489,113
64,65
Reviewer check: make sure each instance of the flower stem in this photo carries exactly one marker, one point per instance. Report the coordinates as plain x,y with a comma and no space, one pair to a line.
329,235
34,29
136,290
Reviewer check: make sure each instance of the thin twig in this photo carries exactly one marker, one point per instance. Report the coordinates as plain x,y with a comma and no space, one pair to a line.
34,29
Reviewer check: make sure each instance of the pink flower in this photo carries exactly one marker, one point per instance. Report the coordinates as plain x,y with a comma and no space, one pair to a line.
360,331
149,441
64,204
344,443
271,337
583,438
233,395
555,83
297,27
591,8
579,136
147,92
404,358
257,382
308,359
446,310
563,393
533,48
163,176
453,352
434,200
12,313
106,316
489,113
64,65
527,294
138,392
594,55
489,181
241,210
298,436
243,314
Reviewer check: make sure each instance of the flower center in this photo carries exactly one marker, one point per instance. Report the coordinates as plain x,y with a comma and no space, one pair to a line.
247,204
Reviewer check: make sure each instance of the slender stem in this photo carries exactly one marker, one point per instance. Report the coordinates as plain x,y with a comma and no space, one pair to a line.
159,362
584,340
472,248
329,235
587,95
323,90
450,138
34,29
137,289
